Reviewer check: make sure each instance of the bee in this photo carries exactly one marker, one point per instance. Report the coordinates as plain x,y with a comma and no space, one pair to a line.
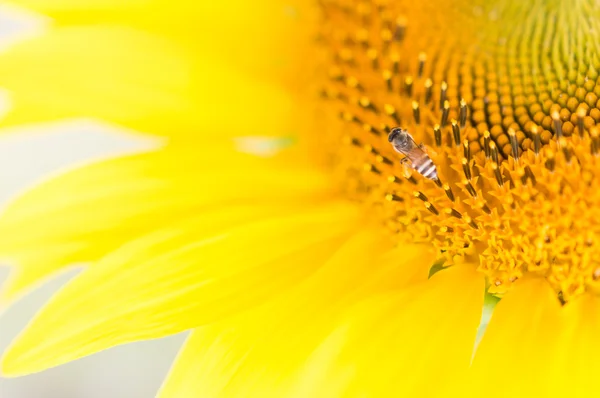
404,143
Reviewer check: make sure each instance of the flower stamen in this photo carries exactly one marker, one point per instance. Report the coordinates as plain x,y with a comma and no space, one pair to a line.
496,116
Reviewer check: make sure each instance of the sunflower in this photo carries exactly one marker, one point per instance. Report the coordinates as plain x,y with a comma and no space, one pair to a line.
333,268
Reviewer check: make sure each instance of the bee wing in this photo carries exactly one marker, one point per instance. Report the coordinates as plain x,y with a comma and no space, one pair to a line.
413,142
424,148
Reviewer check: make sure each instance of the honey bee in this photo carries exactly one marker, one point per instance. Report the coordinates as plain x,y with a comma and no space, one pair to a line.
405,144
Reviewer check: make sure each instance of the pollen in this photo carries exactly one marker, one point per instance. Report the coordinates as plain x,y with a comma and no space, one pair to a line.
504,98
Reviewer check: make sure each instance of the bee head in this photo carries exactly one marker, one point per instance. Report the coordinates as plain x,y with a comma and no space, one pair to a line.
393,134
399,138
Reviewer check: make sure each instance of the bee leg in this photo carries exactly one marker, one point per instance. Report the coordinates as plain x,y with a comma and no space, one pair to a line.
406,166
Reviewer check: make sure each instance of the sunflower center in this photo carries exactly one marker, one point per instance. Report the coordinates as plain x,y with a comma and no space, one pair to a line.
504,98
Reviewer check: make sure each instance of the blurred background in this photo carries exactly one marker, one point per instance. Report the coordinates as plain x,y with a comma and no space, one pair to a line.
132,371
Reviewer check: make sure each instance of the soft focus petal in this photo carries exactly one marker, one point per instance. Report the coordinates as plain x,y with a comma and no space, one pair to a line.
162,286
83,214
518,351
267,38
397,343
138,80
410,263
271,367
260,354
576,362
208,360
256,354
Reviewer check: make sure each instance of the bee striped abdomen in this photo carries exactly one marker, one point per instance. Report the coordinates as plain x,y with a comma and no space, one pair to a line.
426,167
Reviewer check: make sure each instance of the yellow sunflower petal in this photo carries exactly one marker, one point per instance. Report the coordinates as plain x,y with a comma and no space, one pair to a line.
210,357
259,354
517,353
123,299
258,349
243,360
397,343
138,80
410,264
136,193
264,37
575,364
297,323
